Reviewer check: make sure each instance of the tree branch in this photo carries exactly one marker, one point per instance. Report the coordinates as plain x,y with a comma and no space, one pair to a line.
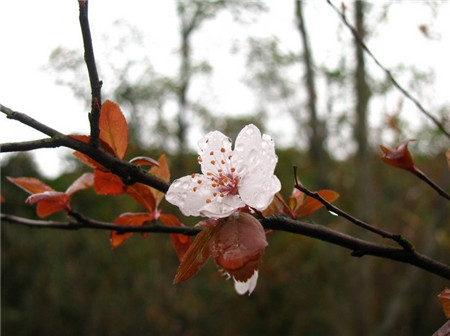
25,119
358,246
127,172
387,72
399,239
82,222
421,175
96,84
29,145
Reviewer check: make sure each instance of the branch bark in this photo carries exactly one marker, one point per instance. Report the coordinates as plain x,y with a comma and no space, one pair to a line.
358,246
96,84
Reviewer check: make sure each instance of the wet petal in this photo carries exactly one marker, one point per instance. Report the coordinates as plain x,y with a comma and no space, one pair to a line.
214,152
195,196
247,150
257,190
189,193
247,286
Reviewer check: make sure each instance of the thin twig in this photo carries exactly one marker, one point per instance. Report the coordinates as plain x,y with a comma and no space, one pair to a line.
82,222
399,239
27,120
127,172
387,72
29,145
358,247
430,182
96,84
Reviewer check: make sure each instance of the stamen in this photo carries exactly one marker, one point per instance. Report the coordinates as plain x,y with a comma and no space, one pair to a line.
194,189
213,162
208,200
199,181
211,153
222,150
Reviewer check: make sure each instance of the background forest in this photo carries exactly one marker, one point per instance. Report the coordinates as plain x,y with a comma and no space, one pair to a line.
329,113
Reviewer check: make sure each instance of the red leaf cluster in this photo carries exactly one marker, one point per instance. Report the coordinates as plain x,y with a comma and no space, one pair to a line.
48,200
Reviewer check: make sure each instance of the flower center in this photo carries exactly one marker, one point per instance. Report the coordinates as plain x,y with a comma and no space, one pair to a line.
222,175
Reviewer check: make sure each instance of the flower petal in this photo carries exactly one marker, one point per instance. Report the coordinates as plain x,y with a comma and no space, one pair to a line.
195,196
257,191
253,150
247,286
214,153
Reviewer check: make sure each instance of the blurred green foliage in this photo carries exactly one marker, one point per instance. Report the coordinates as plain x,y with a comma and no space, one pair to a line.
57,282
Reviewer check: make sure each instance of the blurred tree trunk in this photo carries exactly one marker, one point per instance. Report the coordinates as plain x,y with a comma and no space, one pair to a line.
364,175
317,130
190,20
362,282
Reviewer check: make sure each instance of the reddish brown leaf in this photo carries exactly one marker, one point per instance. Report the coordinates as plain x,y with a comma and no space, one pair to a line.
114,128
106,183
88,161
278,206
195,257
85,181
128,219
49,202
399,156
47,196
144,161
47,208
2,199
310,204
180,242
238,244
30,184
143,195
162,172
444,297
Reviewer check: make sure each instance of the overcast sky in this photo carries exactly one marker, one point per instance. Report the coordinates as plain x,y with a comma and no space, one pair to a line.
31,29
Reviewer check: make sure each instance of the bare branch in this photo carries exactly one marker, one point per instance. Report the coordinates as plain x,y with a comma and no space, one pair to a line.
25,119
399,239
96,84
430,182
127,172
29,145
86,223
358,246
387,72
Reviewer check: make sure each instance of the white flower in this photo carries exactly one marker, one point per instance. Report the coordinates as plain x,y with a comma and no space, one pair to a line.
231,179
